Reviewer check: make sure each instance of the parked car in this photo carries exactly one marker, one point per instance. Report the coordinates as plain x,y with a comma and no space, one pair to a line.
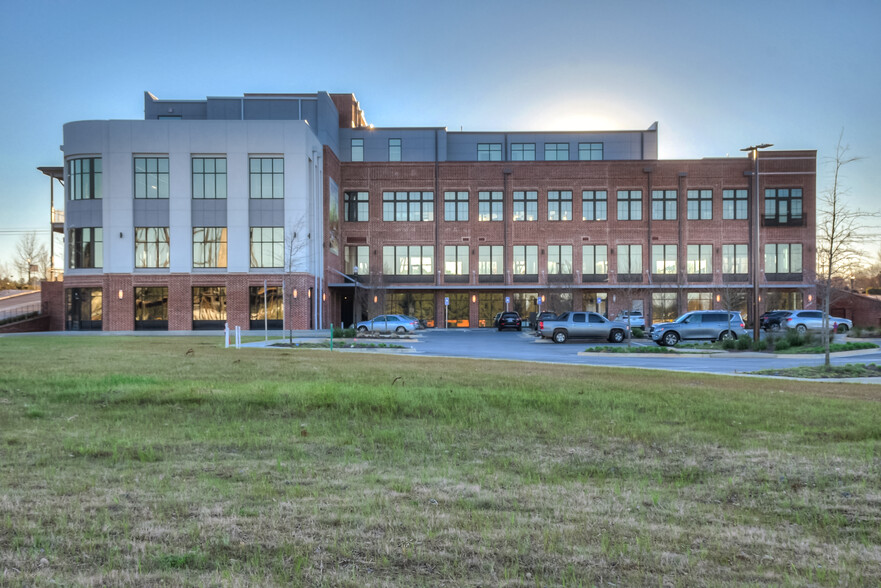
420,323
542,316
388,323
496,319
812,320
510,320
770,321
700,324
584,325
637,320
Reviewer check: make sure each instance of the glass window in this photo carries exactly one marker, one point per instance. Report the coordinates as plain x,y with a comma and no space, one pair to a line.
413,260
394,150
525,205
85,248
489,152
357,149
209,247
734,259
664,204
456,260
84,178
84,309
267,177
266,306
700,259
522,151
783,258
151,247
559,205
525,259
559,259
590,151
267,247
455,206
629,204
209,177
700,301
665,306
151,177
490,260
489,206
151,304
664,259
556,151
700,204
783,205
593,205
357,260
735,204
355,206
407,206
630,259
209,303
594,260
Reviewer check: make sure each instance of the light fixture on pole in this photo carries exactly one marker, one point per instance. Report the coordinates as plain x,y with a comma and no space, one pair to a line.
754,151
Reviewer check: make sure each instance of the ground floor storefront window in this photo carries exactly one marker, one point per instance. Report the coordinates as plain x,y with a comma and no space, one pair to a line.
266,307
151,309
782,299
418,304
489,304
458,311
700,301
594,302
84,309
665,307
209,307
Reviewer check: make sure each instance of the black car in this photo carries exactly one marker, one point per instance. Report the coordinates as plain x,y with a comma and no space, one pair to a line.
510,320
770,321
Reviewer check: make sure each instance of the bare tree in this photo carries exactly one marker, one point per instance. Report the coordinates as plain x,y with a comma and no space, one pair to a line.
841,230
31,258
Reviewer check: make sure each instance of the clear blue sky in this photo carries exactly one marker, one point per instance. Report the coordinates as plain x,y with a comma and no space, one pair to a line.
717,76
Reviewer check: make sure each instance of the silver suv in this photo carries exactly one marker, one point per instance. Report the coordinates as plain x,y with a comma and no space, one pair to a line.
812,320
700,324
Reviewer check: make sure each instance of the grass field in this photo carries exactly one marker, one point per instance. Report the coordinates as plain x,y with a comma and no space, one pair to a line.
173,461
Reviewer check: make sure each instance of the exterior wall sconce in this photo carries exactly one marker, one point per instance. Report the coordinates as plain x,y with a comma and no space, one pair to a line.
323,296
375,299
474,298
120,294
718,298
542,298
309,293
810,297
295,293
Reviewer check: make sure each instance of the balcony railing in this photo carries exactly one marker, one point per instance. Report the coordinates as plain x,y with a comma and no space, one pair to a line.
57,216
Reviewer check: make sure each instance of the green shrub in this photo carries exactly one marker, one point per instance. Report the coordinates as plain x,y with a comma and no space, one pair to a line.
760,345
744,343
729,344
637,333
343,333
782,345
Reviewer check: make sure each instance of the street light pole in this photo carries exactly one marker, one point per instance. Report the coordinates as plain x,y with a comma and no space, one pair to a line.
754,151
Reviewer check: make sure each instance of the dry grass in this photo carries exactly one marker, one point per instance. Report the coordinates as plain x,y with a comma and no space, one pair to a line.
129,461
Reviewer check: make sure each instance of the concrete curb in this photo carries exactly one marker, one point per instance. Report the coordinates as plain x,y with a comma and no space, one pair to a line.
746,354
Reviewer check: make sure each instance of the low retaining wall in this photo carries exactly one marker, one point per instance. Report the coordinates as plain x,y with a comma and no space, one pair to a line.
31,325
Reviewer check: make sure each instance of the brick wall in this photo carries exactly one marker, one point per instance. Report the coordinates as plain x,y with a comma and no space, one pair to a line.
52,305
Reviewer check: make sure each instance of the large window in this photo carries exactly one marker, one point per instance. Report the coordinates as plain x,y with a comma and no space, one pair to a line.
559,205
783,206
629,204
407,206
267,246
209,247
408,260
630,259
525,205
700,204
266,307
735,259
699,301
209,177
151,247
663,204
594,205
664,259
489,206
525,260
783,258
151,177
394,150
455,206
357,260
559,259
209,306
85,248
355,206
357,149
735,204
151,308
700,259
489,152
590,151
594,260
84,177
267,177
456,260
84,309
522,151
556,151
665,307
490,260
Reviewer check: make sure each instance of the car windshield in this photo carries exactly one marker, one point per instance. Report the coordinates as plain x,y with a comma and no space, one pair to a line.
685,318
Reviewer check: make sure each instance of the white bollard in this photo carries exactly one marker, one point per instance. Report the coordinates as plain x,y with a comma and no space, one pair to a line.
238,337
226,335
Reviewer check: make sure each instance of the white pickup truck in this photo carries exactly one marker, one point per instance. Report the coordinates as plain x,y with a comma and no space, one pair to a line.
586,325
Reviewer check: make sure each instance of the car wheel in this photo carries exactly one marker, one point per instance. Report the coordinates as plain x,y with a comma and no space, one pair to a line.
671,339
842,328
801,329
616,336
362,329
400,330
774,327
560,336
727,336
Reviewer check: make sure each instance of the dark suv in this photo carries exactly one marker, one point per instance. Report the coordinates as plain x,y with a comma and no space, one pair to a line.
510,320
